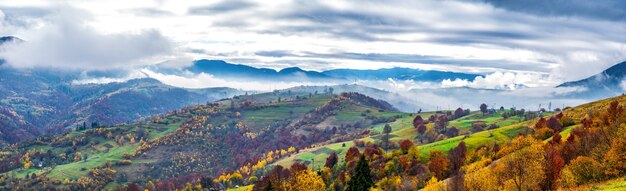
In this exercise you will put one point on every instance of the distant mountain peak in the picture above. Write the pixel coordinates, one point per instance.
(618, 70)
(611, 77)
(291, 70)
(6, 39)
(607, 82)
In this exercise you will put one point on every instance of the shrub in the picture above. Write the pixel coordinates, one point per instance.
(584, 170)
(543, 133)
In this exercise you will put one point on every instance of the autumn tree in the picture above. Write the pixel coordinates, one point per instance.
(434, 185)
(27, 162)
(553, 166)
(482, 179)
(615, 159)
(584, 170)
(405, 145)
(457, 157)
(386, 130)
(417, 121)
(77, 156)
(273, 180)
(421, 129)
(304, 180)
(441, 123)
(554, 124)
(483, 108)
(458, 113)
(331, 160)
(541, 123)
(361, 179)
(523, 169)
(352, 154)
(505, 115)
(414, 152)
(438, 164)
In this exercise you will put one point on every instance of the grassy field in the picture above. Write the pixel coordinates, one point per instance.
(617, 184)
(288, 110)
(79, 169)
(99, 154)
(500, 136)
(403, 128)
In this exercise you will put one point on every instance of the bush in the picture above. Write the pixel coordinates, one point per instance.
(584, 170)
(543, 133)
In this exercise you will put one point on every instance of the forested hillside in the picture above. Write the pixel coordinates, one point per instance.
(41, 102)
(198, 141)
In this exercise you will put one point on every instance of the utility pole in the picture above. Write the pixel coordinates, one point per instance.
(549, 106)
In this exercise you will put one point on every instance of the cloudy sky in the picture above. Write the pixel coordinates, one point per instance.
(536, 42)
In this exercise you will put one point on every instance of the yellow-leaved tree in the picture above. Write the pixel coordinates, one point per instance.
(305, 180)
(434, 185)
(414, 152)
(479, 176)
(523, 169)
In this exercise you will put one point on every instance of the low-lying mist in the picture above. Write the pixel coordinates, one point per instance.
(405, 95)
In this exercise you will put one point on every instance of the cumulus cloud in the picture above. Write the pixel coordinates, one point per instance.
(203, 80)
(87, 79)
(66, 41)
(500, 80)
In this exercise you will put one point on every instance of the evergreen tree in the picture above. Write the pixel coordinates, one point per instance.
(361, 179)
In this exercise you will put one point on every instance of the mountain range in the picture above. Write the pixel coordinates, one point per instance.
(227, 70)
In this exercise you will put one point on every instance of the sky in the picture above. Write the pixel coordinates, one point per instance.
(533, 42)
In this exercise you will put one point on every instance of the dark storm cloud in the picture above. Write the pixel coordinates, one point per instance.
(613, 10)
(221, 7)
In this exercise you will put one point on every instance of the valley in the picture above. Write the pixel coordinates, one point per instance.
(316, 95)
(247, 136)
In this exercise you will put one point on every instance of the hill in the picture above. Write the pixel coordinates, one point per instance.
(588, 133)
(202, 139)
(606, 83)
(402, 129)
(507, 129)
(241, 140)
(47, 101)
